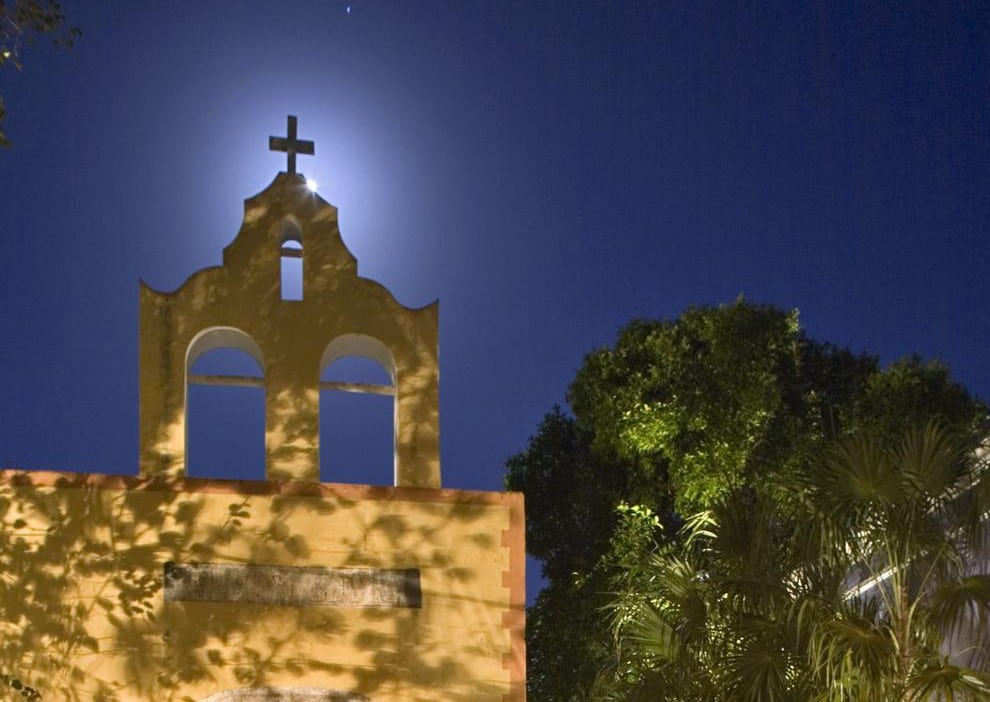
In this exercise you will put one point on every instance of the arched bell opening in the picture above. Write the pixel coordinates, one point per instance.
(224, 405)
(357, 412)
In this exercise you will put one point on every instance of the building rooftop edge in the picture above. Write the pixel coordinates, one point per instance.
(23, 477)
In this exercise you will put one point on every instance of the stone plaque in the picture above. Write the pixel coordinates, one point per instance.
(292, 586)
(285, 694)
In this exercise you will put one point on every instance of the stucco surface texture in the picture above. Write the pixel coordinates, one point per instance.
(241, 305)
(284, 590)
(85, 616)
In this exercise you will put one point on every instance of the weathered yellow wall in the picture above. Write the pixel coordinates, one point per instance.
(84, 610)
(83, 614)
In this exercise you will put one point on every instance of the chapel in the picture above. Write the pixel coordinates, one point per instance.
(163, 586)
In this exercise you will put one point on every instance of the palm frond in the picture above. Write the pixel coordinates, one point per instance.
(756, 674)
(941, 682)
(932, 460)
(854, 652)
(962, 605)
(859, 473)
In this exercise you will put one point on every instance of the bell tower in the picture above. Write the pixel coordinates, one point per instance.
(168, 588)
(241, 304)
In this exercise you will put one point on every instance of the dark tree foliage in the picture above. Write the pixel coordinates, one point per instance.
(677, 416)
(576, 493)
(21, 23)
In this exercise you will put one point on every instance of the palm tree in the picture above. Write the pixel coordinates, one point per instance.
(906, 521)
(710, 616)
(848, 592)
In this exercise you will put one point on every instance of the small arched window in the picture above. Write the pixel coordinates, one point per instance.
(291, 257)
(225, 406)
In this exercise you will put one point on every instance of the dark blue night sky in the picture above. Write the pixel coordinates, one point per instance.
(547, 170)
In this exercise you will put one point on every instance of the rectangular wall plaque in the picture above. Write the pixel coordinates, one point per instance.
(292, 586)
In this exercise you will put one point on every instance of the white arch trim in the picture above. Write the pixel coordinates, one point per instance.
(359, 345)
(223, 338)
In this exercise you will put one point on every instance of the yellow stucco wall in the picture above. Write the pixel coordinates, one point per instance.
(83, 612)
(90, 565)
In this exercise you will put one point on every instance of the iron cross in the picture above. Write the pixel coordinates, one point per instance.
(291, 145)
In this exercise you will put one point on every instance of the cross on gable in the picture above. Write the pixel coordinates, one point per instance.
(291, 145)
